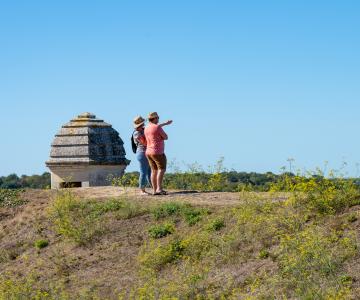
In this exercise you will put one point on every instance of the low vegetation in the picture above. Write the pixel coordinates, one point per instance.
(40, 244)
(308, 239)
(161, 230)
(11, 198)
(191, 215)
(304, 245)
(83, 221)
(216, 224)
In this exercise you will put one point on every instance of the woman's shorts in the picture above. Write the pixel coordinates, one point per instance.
(157, 161)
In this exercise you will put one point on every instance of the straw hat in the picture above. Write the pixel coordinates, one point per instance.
(153, 115)
(139, 121)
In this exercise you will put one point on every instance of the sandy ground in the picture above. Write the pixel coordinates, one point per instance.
(193, 197)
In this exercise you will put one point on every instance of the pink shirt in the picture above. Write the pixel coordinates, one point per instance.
(154, 138)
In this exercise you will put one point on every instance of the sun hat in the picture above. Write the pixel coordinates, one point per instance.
(139, 121)
(153, 115)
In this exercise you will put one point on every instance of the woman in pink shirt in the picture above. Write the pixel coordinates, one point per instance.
(155, 151)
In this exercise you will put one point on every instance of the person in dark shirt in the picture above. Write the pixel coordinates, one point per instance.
(140, 141)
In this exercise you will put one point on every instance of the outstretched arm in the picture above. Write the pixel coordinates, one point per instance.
(166, 123)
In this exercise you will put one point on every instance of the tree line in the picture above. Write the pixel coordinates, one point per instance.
(13, 181)
(228, 181)
(186, 180)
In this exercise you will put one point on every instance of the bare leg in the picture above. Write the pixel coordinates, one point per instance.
(160, 177)
(154, 178)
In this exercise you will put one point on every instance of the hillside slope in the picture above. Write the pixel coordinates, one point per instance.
(108, 243)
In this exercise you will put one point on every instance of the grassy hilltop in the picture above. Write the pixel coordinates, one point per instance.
(298, 241)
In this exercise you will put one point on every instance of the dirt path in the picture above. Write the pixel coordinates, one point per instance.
(187, 196)
(193, 197)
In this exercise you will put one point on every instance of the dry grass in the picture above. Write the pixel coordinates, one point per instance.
(242, 245)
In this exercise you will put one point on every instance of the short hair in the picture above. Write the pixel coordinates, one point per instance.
(152, 119)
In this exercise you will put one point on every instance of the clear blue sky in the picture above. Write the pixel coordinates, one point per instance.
(253, 81)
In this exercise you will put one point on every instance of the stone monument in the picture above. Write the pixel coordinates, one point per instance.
(86, 152)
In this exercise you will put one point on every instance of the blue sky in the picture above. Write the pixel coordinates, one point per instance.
(254, 81)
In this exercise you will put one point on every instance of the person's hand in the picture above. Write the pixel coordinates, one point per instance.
(168, 122)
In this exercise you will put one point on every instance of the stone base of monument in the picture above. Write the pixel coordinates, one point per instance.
(84, 176)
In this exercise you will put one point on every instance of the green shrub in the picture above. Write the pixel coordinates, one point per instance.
(11, 198)
(155, 256)
(83, 220)
(192, 215)
(202, 245)
(111, 205)
(167, 209)
(75, 219)
(216, 224)
(161, 230)
(318, 193)
(40, 244)
(264, 253)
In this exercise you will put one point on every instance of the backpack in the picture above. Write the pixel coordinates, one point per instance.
(133, 144)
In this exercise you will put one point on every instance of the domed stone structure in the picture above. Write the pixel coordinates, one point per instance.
(86, 152)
